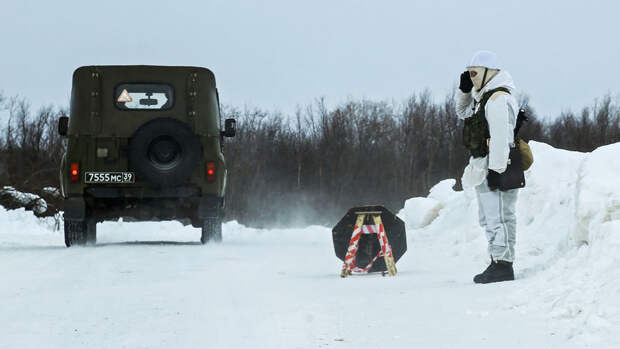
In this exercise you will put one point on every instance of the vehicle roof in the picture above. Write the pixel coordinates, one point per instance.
(94, 112)
(136, 71)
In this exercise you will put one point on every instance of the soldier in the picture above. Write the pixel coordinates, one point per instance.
(485, 101)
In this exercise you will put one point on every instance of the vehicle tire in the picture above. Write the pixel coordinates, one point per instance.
(75, 232)
(164, 151)
(211, 231)
(91, 231)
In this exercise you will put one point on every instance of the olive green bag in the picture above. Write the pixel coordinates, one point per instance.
(527, 158)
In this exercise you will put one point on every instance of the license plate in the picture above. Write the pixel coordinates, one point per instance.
(109, 177)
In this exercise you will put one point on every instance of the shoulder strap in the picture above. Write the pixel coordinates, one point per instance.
(488, 94)
(521, 118)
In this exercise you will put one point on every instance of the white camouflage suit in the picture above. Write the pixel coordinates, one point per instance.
(496, 209)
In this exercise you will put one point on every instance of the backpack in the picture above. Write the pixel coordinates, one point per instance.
(527, 158)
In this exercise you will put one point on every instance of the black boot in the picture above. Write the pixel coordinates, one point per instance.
(497, 271)
(485, 272)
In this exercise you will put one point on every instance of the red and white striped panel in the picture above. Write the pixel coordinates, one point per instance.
(383, 241)
(367, 229)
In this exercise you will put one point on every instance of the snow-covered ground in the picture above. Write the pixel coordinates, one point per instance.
(151, 285)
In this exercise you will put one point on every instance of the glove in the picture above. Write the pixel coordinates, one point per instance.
(466, 84)
(493, 179)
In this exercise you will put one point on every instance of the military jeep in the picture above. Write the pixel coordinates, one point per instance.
(145, 143)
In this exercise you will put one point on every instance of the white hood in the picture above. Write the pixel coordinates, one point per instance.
(485, 59)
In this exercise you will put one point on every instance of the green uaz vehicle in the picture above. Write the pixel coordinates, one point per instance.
(145, 143)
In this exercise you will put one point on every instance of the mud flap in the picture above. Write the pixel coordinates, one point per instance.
(74, 209)
(209, 207)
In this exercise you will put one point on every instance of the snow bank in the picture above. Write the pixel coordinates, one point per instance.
(568, 239)
(13, 198)
(598, 194)
(582, 286)
(421, 211)
(16, 223)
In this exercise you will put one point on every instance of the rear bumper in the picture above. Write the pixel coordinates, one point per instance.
(139, 204)
(142, 192)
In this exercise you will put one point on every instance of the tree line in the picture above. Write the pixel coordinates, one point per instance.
(310, 167)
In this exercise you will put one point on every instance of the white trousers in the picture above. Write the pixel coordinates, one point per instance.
(497, 215)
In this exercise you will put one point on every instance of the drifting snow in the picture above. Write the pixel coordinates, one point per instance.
(151, 285)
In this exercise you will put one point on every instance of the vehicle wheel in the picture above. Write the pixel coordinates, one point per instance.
(75, 232)
(91, 232)
(211, 231)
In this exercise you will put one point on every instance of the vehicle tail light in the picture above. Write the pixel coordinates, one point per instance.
(74, 174)
(210, 171)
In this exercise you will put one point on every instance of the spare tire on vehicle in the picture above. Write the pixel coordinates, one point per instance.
(164, 152)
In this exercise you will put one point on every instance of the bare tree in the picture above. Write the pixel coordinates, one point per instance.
(309, 169)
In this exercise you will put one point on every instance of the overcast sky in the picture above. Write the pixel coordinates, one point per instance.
(280, 54)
